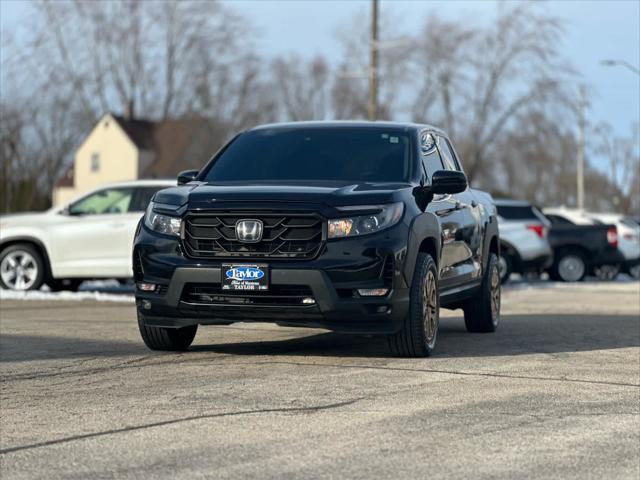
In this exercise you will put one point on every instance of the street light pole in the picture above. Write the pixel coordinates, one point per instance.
(581, 141)
(373, 67)
(623, 63)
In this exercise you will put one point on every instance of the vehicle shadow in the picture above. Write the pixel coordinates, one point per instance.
(517, 335)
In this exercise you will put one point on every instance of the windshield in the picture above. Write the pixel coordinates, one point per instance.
(308, 154)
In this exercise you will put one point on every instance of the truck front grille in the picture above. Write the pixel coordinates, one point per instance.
(285, 235)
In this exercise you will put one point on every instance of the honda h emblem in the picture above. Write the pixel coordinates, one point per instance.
(249, 231)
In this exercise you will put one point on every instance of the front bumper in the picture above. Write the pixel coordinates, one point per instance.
(348, 315)
(342, 267)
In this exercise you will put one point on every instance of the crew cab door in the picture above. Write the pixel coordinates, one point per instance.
(463, 233)
(94, 241)
(459, 220)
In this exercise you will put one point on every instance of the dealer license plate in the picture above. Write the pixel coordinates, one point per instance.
(245, 277)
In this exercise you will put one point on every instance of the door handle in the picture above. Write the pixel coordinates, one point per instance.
(459, 206)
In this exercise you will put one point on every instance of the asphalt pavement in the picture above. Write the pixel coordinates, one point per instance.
(555, 393)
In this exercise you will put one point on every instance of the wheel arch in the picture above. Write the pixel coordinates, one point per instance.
(38, 245)
(573, 248)
(491, 241)
(424, 236)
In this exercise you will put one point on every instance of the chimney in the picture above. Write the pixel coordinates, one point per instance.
(129, 110)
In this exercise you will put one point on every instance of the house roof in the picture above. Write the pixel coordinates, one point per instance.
(178, 144)
(139, 131)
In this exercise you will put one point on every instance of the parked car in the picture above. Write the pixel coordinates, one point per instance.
(355, 227)
(89, 238)
(579, 245)
(628, 244)
(524, 246)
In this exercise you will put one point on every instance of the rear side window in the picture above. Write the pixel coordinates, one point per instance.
(519, 212)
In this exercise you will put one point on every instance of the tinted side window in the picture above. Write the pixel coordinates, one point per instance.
(448, 157)
(142, 198)
(429, 154)
(517, 212)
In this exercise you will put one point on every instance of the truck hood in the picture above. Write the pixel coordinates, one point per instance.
(207, 195)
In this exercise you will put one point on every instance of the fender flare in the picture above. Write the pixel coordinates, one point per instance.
(423, 227)
(490, 232)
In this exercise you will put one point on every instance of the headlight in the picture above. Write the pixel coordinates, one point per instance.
(384, 216)
(160, 223)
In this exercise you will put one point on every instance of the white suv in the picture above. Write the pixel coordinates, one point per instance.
(90, 238)
(524, 246)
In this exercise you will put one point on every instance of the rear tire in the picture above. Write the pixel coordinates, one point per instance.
(167, 339)
(482, 313)
(21, 268)
(417, 337)
(568, 266)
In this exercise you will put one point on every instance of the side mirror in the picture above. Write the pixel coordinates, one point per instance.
(448, 181)
(187, 176)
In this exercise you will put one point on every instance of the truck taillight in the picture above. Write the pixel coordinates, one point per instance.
(539, 230)
(612, 236)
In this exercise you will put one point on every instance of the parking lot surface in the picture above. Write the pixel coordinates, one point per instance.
(554, 393)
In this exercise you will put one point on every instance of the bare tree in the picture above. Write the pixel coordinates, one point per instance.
(302, 87)
(475, 81)
(623, 164)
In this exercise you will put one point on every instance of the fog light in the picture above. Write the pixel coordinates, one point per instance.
(373, 292)
(383, 309)
(308, 301)
(146, 304)
(146, 287)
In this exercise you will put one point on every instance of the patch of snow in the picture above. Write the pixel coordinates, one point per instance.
(65, 296)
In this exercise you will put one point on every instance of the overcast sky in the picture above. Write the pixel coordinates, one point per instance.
(595, 30)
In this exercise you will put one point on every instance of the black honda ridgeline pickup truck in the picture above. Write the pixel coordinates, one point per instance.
(356, 227)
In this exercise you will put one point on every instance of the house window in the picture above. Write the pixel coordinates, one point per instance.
(95, 162)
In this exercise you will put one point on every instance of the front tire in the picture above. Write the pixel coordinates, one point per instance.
(68, 284)
(482, 313)
(167, 339)
(21, 268)
(417, 336)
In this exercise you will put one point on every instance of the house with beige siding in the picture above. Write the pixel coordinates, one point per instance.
(122, 148)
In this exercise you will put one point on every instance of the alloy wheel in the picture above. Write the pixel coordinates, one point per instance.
(496, 293)
(19, 270)
(571, 268)
(430, 312)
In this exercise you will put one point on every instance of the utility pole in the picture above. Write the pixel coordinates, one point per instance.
(373, 67)
(581, 140)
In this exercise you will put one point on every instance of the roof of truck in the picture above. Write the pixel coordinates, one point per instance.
(349, 124)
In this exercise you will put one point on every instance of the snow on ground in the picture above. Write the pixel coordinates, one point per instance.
(65, 296)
